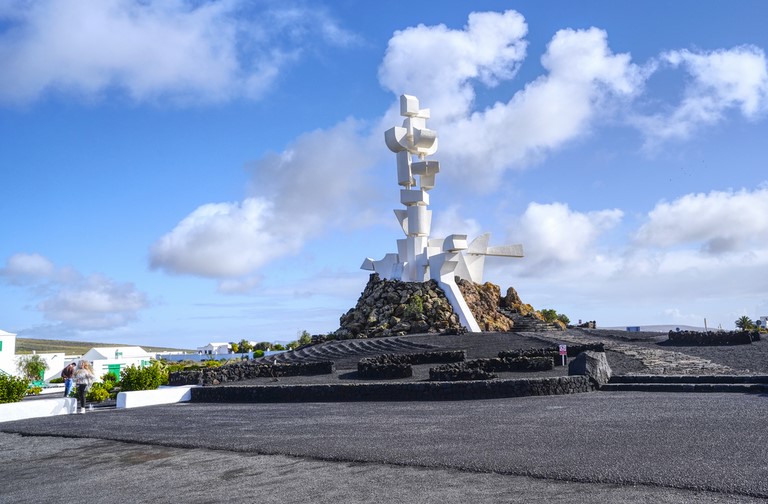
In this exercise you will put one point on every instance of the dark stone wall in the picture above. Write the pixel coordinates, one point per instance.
(410, 391)
(483, 369)
(389, 366)
(694, 338)
(552, 352)
(248, 370)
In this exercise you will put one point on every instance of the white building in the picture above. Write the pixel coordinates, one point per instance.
(215, 349)
(114, 359)
(7, 352)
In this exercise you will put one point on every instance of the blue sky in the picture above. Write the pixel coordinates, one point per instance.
(179, 172)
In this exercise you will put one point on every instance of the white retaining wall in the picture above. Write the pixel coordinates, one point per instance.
(163, 395)
(37, 408)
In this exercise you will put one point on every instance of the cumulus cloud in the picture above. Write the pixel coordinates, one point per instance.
(186, 51)
(442, 64)
(720, 80)
(96, 302)
(719, 221)
(71, 300)
(445, 65)
(314, 185)
(553, 234)
(26, 268)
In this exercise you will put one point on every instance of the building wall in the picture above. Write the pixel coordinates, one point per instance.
(7, 352)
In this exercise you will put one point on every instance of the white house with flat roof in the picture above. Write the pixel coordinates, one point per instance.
(215, 349)
(114, 359)
(7, 352)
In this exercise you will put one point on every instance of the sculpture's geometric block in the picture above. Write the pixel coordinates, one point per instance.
(395, 138)
(427, 182)
(454, 243)
(410, 197)
(387, 266)
(402, 218)
(505, 251)
(404, 176)
(475, 264)
(402, 248)
(480, 244)
(424, 139)
(367, 264)
(425, 167)
(409, 105)
(419, 220)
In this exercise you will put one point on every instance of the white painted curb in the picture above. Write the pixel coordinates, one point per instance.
(163, 395)
(37, 408)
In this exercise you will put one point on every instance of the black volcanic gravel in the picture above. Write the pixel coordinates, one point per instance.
(753, 357)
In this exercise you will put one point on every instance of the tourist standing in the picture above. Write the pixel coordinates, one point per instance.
(67, 374)
(84, 378)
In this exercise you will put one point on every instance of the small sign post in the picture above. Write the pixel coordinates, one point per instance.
(563, 353)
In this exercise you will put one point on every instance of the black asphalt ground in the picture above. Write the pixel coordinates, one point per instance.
(595, 447)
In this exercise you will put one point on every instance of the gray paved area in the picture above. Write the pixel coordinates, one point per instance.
(597, 447)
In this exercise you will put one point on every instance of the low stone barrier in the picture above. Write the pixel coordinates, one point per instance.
(248, 370)
(552, 352)
(391, 366)
(483, 369)
(409, 391)
(713, 338)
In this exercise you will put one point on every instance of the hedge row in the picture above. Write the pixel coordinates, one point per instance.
(248, 370)
(391, 366)
(695, 338)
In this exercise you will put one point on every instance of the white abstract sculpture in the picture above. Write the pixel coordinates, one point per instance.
(420, 258)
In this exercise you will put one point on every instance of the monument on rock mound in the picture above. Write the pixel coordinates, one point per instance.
(419, 257)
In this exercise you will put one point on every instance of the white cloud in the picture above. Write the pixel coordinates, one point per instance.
(719, 80)
(719, 221)
(553, 234)
(552, 110)
(94, 303)
(187, 51)
(313, 186)
(25, 268)
(71, 300)
(440, 64)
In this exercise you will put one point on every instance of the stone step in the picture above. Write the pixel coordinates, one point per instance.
(707, 379)
(742, 388)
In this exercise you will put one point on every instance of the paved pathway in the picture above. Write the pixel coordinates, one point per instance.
(598, 447)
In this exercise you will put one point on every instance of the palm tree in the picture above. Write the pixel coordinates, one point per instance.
(745, 323)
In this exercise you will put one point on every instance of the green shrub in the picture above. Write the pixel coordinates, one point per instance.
(12, 389)
(34, 390)
(258, 353)
(56, 380)
(32, 366)
(414, 307)
(148, 378)
(97, 393)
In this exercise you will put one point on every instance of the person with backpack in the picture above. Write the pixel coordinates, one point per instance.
(67, 373)
(84, 378)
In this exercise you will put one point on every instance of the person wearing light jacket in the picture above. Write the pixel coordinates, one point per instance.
(84, 378)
